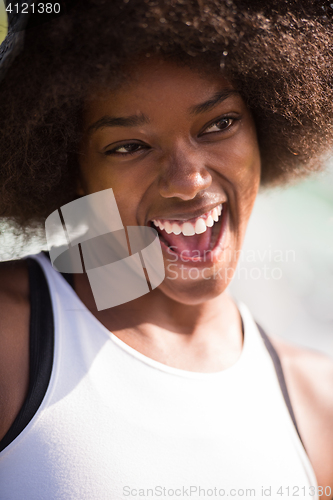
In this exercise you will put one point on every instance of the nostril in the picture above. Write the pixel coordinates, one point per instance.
(183, 174)
(184, 185)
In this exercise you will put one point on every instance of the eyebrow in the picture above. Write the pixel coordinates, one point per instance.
(118, 121)
(213, 101)
(135, 120)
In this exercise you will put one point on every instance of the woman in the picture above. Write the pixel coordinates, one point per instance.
(183, 109)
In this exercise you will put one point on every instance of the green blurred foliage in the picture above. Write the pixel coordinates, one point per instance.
(3, 21)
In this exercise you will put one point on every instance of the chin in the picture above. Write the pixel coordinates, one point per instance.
(191, 291)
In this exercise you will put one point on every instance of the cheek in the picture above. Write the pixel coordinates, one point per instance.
(246, 182)
(97, 175)
(240, 166)
(238, 163)
(247, 175)
(244, 158)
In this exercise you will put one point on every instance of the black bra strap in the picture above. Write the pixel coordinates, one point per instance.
(279, 372)
(69, 277)
(41, 348)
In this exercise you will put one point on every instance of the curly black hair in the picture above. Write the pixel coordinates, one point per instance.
(278, 54)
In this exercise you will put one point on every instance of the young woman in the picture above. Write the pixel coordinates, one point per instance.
(183, 109)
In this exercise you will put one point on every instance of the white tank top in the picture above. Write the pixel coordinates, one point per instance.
(115, 424)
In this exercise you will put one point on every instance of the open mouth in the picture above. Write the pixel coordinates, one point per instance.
(194, 239)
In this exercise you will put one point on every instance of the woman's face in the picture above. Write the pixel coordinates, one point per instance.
(176, 146)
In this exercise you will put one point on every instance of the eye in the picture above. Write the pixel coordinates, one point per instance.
(220, 125)
(126, 149)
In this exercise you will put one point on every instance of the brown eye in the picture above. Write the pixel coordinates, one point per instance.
(219, 125)
(125, 149)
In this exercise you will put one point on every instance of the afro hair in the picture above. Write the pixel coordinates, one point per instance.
(279, 56)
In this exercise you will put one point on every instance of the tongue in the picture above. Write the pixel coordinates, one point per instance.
(198, 242)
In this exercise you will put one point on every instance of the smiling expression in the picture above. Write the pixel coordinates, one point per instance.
(179, 149)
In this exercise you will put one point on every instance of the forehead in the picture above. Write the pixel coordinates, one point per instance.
(152, 84)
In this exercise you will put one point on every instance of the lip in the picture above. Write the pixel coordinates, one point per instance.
(211, 256)
(187, 216)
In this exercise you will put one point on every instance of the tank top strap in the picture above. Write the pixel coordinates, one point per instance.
(41, 346)
(42, 351)
(280, 376)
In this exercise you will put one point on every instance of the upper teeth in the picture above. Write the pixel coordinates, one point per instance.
(188, 228)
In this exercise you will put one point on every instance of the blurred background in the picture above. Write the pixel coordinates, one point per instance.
(285, 272)
(3, 21)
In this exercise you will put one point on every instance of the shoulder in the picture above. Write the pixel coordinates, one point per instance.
(311, 370)
(309, 378)
(14, 290)
(14, 277)
(14, 339)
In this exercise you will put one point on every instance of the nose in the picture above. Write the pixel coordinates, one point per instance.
(183, 175)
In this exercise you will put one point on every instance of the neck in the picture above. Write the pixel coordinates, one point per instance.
(202, 337)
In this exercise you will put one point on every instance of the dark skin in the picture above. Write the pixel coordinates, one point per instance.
(181, 163)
